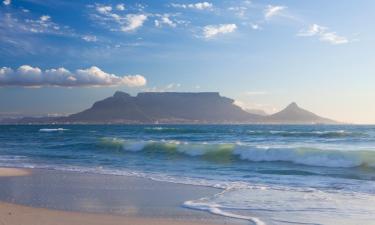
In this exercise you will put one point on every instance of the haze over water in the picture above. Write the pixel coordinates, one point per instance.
(269, 174)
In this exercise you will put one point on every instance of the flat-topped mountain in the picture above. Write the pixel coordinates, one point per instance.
(165, 107)
(178, 107)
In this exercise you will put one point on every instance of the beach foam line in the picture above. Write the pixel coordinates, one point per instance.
(216, 210)
(13, 172)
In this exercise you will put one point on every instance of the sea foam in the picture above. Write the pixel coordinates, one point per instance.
(52, 129)
(236, 151)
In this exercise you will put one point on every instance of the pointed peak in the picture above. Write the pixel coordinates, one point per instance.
(292, 105)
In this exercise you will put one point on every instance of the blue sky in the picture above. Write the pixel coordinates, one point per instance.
(61, 56)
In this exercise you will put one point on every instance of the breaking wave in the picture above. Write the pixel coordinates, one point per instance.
(52, 129)
(232, 152)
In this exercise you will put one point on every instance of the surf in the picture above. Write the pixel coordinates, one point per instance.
(52, 129)
(226, 152)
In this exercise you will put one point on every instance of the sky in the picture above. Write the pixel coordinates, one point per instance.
(58, 57)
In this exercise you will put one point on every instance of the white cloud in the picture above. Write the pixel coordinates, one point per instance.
(104, 9)
(272, 11)
(333, 38)
(198, 6)
(164, 20)
(28, 76)
(120, 7)
(324, 35)
(240, 104)
(7, 2)
(90, 38)
(312, 30)
(134, 81)
(201, 5)
(211, 31)
(45, 18)
(43, 24)
(117, 21)
(20, 28)
(133, 22)
(255, 26)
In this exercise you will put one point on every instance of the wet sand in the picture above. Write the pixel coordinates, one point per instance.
(13, 172)
(11, 214)
(53, 197)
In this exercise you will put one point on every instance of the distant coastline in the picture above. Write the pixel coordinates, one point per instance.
(174, 108)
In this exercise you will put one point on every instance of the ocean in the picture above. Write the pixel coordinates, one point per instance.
(268, 174)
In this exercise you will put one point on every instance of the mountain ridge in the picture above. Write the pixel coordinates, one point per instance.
(177, 108)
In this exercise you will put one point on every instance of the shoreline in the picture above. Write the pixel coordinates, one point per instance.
(13, 214)
(42, 196)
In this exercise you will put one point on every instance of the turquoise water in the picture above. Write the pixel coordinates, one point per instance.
(268, 174)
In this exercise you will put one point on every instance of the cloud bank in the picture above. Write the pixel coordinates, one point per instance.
(28, 76)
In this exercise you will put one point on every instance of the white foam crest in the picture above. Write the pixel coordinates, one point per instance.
(161, 128)
(135, 146)
(293, 154)
(52, 129)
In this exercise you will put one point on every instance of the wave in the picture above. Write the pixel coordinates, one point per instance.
(231, 152)
(310, 156)
(282, 133)
(176, 130)
(161, 128)
(52, 129)
(318, 134)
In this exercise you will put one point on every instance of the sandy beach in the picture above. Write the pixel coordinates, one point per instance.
(11, 214)
(13, 172)
(37, 197)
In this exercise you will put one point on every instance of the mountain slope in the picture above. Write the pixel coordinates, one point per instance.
(293, 114)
